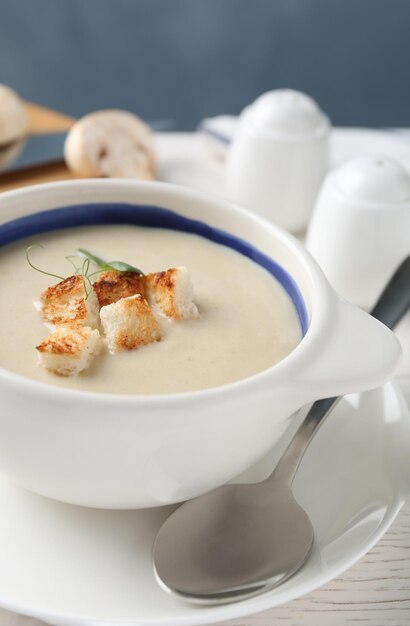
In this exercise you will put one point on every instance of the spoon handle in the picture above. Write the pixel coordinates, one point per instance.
(391, 306)
(395, 299)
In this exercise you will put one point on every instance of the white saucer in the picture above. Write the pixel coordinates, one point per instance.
(70, 565)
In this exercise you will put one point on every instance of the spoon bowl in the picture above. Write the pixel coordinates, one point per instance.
(238, 541)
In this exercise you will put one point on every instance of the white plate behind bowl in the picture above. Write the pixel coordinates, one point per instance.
(184, 158)
(69, 565)
(347, 143)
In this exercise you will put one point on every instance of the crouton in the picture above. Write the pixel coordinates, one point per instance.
(111, 286)
(69, 350)
(67, 303)
(171, 292)
(129, 323)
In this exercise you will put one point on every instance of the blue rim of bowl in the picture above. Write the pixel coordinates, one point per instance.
(153, 217)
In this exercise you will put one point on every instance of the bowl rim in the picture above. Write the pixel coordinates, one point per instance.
(317, 318)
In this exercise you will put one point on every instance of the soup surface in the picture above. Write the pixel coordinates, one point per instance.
(247, 320)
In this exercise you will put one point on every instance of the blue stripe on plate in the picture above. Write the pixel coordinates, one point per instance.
(215, 134)
(154, 217)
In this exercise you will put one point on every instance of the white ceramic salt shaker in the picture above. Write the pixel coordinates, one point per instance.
(360, 232)
(279, 157)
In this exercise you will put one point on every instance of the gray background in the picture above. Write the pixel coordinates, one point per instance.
(186, 59)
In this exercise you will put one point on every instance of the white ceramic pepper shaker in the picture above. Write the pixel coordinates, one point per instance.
(279, 157)
(360, 228)
(360, 232)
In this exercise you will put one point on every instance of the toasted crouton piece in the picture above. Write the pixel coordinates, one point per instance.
(67, 303)
(172, 292)
(129, 323)
(69, 350)
(111, 286)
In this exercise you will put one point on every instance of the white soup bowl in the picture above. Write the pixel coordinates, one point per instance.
(132, 451)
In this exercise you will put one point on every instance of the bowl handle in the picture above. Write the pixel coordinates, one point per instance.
(353, 352)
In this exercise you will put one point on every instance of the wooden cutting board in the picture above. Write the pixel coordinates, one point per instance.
(41, 120)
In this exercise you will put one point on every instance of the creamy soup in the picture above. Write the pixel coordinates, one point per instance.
(247, 320)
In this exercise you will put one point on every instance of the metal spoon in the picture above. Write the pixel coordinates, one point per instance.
(240, 540)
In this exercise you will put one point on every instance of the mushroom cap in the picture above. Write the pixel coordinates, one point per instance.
(111, 143)
(13, 116)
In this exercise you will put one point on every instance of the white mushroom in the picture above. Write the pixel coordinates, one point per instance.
(13, 116)
(111, 143)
